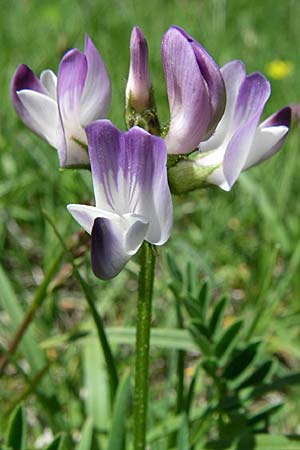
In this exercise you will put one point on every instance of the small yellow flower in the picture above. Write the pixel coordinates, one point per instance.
(279, 69)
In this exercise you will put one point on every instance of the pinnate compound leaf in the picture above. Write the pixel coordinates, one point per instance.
(16, 433)
(210, 365)
(203, 299)
(217, 315)
(201, 328)
(278, 384)
(173, 268)
(190, 279)
(240, 361)
(258, 375)
(191, 389)
(202, 341)
(264, 414)
(226, 340)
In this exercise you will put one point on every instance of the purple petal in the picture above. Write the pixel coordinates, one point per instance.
(212, 75)
(129, 175)
(96, 94)
(269, 137)
(71, 78)
(109, 245)
(253, 94)
(188, 94)
(24, 78)
(282, 117)
(215, 83)
(138, 84)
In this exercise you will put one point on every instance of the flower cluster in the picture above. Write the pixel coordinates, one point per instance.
(212, 136)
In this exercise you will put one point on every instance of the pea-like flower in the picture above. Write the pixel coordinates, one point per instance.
(239, 141)
(58, 108)
(132, 196)
(195, 88)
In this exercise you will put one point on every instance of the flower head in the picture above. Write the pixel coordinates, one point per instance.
(58, 108)
(138, 88)
(132, 197)
(195, 88)
(239, 141)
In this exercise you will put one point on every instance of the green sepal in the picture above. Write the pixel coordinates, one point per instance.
(186, 176)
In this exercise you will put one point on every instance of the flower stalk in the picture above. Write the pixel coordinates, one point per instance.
(144, 307)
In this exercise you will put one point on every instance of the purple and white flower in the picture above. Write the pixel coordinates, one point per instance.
(132, 196)
(195, 88)
(239, 141)
(138, 88)
(58, 108)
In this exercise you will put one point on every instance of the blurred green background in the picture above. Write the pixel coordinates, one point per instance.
(245, 241)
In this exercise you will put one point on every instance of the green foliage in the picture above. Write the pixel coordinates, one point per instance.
(237, 367)
(56, 444)
(116, 439)
(16, 433)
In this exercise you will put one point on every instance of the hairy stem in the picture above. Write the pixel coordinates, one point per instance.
(146, 279)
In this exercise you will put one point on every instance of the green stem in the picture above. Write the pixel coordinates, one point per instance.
(146, 279)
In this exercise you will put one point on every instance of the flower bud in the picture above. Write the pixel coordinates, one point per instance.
(138, 89)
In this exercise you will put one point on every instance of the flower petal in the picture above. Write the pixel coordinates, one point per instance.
(49, 81)
(215, 83)
(269, 137)
(147, 156)
(43, 115)
(129, 175)
(24, 78)
(114, 241)
(252, 96)
(233, 74)
(85, 215)
(96, 94)
(188, 94)
(71, 78)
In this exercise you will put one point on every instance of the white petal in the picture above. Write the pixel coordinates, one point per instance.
(43, 112)
(49, 81)
(265, 144)
(96, 94)
(233, 74)
(86, 215)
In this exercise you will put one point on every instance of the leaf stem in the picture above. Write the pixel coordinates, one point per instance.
(144, 307)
